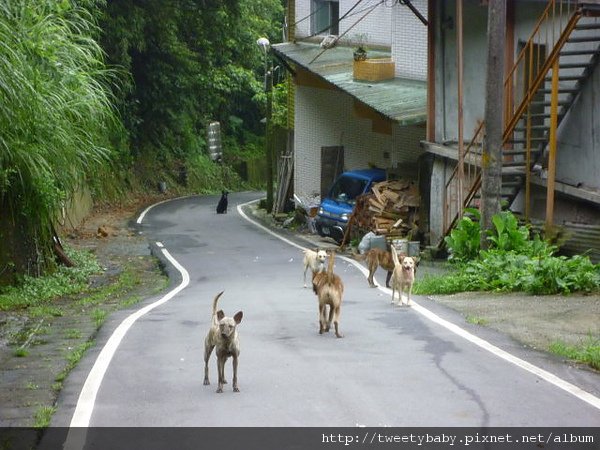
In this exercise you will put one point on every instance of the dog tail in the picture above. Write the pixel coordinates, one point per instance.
(215, 301)
(395, 256)
(330, 267)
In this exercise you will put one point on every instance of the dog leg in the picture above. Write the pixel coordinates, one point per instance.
(235, 368)
(331, 317)
(305, 269)
(408, 301)
(336, 321)
(207, 352)
(388, 278)
(322, 319)
(370, 279)
(221, 373)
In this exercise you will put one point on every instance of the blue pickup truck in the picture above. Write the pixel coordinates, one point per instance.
(336, 207)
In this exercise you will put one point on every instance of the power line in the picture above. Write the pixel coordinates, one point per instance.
(338, 21)
(349, 28)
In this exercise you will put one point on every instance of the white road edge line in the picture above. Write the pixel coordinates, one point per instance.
(482, 343)
(87, 397)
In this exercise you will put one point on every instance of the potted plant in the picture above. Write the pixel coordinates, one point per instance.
(360, 52)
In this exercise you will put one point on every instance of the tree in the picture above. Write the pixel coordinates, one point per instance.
(190, 62)
(55, 111)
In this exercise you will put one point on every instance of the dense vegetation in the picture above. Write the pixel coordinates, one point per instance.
(115, 96)
(517, 260)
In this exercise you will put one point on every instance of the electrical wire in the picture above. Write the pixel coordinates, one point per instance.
(338, 21)
(348, 29)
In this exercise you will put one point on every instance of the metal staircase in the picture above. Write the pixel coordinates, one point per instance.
(566, 39)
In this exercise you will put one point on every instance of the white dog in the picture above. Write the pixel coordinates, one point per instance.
(315, 260)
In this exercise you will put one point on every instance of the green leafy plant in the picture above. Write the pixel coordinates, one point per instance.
(35, 291)
(464, 240)
(507, 234)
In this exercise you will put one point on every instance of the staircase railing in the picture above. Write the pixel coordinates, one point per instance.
(471, 172)
(531, 67)
(525, 78)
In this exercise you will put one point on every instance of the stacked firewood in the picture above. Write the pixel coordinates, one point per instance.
(391, 209)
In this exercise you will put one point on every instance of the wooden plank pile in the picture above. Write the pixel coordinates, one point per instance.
(391, 209)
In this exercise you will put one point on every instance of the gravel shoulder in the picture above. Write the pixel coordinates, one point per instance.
(536, 321)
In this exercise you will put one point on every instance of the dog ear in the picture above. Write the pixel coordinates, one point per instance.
(220, 314)
(238, 317)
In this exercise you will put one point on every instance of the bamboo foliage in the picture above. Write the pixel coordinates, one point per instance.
(55, 110)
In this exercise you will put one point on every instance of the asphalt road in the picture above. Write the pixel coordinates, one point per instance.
(394, 367)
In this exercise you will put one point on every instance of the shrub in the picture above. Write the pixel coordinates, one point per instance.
(463, 242)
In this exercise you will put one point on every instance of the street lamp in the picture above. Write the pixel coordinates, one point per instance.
(264, 43)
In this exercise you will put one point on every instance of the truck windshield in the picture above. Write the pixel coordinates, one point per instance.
(346, 189)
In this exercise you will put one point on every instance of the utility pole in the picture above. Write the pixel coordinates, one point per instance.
(491, 158)
(265, 44)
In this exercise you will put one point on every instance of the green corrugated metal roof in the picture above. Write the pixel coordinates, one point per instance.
(400, 99)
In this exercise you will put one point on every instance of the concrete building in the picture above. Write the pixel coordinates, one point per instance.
(539, 35)
(348, 118)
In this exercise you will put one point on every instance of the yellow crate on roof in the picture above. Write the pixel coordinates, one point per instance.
(376, 69)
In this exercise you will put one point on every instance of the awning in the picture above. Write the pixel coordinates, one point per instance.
(402, 100)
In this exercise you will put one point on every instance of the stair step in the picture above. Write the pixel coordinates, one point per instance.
(560, 91)
(578, 52)
(519, 152)
(566, 78)
(514, 164)
(573, 66)
(588, 26)
(590, 10)
(545, 115)
(524, 141)
(544, 103)
(584, 39)
(513, 171)
(512, 184)
(534, 127)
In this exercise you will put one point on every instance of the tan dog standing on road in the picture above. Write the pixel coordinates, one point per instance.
(403, 276)
(315, 259)
(329, 289)
(375, 258)
(224, 337)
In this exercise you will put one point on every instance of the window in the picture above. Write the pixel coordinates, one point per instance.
(325, 17)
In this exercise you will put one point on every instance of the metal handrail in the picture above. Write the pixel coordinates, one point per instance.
(525, 66)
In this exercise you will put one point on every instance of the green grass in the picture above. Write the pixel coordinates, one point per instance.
(99, 316)
(440, 285)
(73, 333)
(72, 359)
(38, 292)
(32, 386)
(20, 352)
(587, 352)
(43, 415)
(45, 311)
(477, 320)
